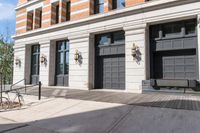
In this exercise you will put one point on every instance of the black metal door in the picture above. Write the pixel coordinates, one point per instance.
(35, 64)
(62, 63)
(110, 61)
(174, 50)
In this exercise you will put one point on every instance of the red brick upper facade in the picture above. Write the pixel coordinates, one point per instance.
(44, 13)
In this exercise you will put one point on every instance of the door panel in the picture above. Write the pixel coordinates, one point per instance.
(110, 73)
(62, 63)
(35, 64)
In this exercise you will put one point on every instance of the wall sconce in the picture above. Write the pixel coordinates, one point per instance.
(134, 51)
(76, 56)
(17, 61)
(43, 59)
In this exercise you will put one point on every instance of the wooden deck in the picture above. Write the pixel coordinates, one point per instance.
(151, 99)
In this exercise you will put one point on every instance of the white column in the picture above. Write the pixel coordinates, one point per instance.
(79, 71)
(18, 70)
(91, 66)
(27, 71)
(198, 36)
(44, 67)
(52, 63)
(135, 70)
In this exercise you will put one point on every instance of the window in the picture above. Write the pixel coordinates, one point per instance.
(35, 59)
(190, 27)
(172, 29)
(38, 18)
(116, 4)
(62, 58)
(68, 5)
(118, 37)
(30, 21)
(98, 6)
(111, 38)
(57, 14)
(104, 39)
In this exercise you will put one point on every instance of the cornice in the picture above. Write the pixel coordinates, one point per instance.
(29, 3)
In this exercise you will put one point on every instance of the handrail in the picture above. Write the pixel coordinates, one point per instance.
(11, 87)
(19, 88)
(17, 83)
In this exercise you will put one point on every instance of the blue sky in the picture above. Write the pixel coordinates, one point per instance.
(7, 17)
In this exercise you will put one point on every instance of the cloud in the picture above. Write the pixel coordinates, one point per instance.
(7, 11)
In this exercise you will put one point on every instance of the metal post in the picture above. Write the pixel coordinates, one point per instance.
(39, 95)
(1, 86)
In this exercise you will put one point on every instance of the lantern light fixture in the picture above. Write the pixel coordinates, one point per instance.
(134, 51)
(43, 59)
(17, 61)
(76, 55)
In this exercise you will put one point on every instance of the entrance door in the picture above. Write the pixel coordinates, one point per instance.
(110, 61)
(35, 64)
(62, 63)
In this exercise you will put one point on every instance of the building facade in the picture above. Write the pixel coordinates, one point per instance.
(106, 44)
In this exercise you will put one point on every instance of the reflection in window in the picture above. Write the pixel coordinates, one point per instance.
(104, 39)
(62, 58)
(118, 4)
(111, 38)
(98, 6)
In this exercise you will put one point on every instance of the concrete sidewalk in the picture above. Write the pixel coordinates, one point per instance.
(59, 115)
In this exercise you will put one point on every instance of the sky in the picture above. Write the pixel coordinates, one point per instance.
(7, 17)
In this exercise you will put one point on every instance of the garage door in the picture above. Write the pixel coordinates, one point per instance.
(176, 65)
(110, 63)
(173, 50)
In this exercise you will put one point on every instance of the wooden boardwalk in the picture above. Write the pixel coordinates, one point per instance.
(151, 99)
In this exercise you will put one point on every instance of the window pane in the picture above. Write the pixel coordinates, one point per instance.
(67, 63)
(68, 10)
(61, 46)
(121, 3)
(67, 45)
(118, 4)
(34, 69)
(104, 39)
(118, 37)
(190, 27)
(172, 28)
(60, 68)
(101, 8)
(34, 59)
(61, 58)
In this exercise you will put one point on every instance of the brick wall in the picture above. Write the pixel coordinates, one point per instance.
(133, 2)
(21, 17)
(79, 9)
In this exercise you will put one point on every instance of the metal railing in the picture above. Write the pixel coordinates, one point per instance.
(17, 89)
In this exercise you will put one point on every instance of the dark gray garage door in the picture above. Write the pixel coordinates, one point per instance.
(175, 65)
(173, 50)
(110, 62)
